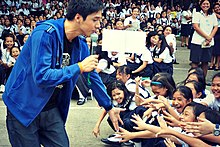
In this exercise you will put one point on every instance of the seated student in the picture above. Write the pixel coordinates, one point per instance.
(15, 52)
(118, 59)
(141, 64)
(200, 112)
(2, 74)
(197, 90)
(6, 60)
(203, 126)
(105, 68)
(162, 85)
(121, 98)
(182, 96)
(123, 74)
(162, 56)
(213, 102)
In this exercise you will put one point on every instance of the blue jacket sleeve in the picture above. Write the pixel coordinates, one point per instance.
(42, 46)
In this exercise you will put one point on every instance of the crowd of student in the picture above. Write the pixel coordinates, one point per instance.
(142, 122)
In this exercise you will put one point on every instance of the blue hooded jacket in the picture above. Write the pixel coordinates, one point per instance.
(38, 71)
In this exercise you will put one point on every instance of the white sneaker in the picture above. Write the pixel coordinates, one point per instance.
(2, 88)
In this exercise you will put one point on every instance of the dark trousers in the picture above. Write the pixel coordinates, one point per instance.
(47, 129)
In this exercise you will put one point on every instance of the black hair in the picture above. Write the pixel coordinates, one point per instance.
(186, 92)
(150, 34)
(213, 116)
(121, 86)
(217, 75)
(198, 87)
(15, 47)
(196, 69)
(197, 108)
(135, 8)
(104, 55)
(164, 28)
(124, 69)
(200, 77)
(163, 46)
(166, 81)
(83, 8)
(210, 11)
(8, 35)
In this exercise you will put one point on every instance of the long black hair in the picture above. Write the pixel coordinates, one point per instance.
(163, 46)
(121, 86)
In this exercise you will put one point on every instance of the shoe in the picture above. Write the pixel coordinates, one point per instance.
(106, 141)
(127, 144)
(90, 95)
(2, 88)
(211, 67)
(216, 69)
(81, 101)
(176, 62)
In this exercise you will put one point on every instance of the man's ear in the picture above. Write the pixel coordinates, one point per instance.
(78, 18)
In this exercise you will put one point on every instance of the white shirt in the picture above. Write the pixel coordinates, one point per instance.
(146, 56)
(103, 66)
(7, 58)
(184, 14)
(206, 24)
(121, 58)
(165, 55)
(135, 23)
(212, 102)
(171, 38)
(131, 86)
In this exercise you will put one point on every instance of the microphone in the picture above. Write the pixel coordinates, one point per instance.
(94, 38)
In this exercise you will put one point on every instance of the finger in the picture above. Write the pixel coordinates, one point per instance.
(169, 123)
(116, 126)
(167, 118)
(166, 113)
(166, 143)
(121, 129)
(121, 109)
(136, 128)
(120, 120)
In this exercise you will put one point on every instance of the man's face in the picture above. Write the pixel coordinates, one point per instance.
(91, 23)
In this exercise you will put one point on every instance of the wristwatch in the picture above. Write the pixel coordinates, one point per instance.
(216, 130)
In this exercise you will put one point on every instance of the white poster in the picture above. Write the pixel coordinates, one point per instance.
(123, 41)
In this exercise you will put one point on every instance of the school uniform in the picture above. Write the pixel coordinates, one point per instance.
(138, 61)
(206, 24)
(185, 24)
(166, 64)
(107, 74)
(212, 102)
(216, 50)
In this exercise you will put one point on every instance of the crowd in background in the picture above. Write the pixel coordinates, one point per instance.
(162, 24)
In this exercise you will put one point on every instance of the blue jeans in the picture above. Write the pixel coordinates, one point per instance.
(47, 129)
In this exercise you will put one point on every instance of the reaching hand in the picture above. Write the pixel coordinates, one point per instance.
(96, 131)
(202, 127)
(141, 125)
(114, 115)
(172, 121)
(125, 135)
(90, 63)
(169, 143)
(163, 125)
